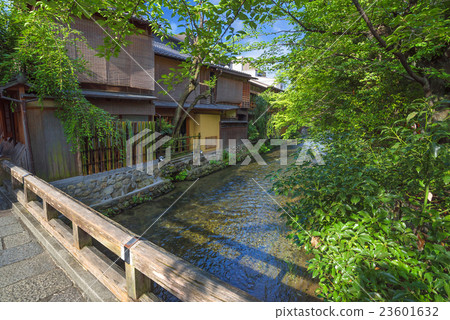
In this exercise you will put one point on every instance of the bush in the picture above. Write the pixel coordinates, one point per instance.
(182, 175)
(375, 216)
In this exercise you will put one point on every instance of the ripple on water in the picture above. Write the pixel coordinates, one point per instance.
(226, 225)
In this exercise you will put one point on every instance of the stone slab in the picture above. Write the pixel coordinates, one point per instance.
(91, 288)
(7, 220)
(10, 229)
(36, 288)
(19, 271)
(17, 239)
(19, 253)
(70, 294)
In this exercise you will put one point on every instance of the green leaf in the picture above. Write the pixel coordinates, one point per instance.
(410, 116)
(446, 178)
(355, 199)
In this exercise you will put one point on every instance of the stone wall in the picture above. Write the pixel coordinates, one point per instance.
(206, 166)
(112, 187)
(113, 191)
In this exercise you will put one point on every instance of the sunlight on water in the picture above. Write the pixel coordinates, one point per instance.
(226, 225)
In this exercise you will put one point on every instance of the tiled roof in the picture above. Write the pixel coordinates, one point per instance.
(166, 51)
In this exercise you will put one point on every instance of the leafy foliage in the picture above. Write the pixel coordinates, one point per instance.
(376, 215)
(181, 176)
(369, 81)
(258, 129)
(37, 47)
(164, 127)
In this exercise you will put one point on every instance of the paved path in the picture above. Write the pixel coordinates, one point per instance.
(27, 272)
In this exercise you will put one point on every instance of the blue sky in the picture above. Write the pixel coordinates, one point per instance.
(277, 26)
(238, 25)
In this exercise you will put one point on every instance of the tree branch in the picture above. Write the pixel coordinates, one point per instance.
(314, 30)
(400, 56)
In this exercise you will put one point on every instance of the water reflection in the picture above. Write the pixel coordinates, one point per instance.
(226, 225)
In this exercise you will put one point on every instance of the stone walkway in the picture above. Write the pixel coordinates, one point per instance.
(27, 272)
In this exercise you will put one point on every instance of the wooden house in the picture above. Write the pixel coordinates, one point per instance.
(126, 87)
(224, 115)
(122, 86)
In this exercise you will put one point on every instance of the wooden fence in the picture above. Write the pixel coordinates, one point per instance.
(145, 262)
(110, 153)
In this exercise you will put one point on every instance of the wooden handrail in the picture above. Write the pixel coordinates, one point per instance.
(148, 262)
(184, 280)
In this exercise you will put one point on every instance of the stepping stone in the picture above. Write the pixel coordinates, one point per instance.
(260, 266)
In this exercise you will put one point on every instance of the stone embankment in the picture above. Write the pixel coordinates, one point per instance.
(113, 191)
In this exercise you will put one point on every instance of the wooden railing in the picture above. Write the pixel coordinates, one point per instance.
(145, 262)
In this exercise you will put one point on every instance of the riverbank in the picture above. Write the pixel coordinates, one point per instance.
(114, 191)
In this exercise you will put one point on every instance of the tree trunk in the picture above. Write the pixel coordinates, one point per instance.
(180, 113)
(177, 128)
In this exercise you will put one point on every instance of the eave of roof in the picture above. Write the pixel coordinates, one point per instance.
(117, 95)
(234, 121)
(14, 83)
(163, 50)
(234, 72)
(172, 104)
(264, 85)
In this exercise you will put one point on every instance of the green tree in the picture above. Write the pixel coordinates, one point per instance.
(369, 78)
(209, 33)
(338, 55)
(257, 127)
(36, 45)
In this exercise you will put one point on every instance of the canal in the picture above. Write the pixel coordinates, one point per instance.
(227, 225)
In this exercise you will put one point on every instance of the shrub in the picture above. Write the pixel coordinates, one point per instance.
(181, 176)
(375, 216)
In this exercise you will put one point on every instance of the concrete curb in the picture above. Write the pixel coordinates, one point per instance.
(86, 282)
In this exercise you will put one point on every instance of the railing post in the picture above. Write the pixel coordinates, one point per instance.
(49, 212)
(14, 183)
(137, 282)
(29, 195)
(81, 238)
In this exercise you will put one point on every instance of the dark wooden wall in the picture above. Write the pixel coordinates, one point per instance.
(237, 132)
(52, 157)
